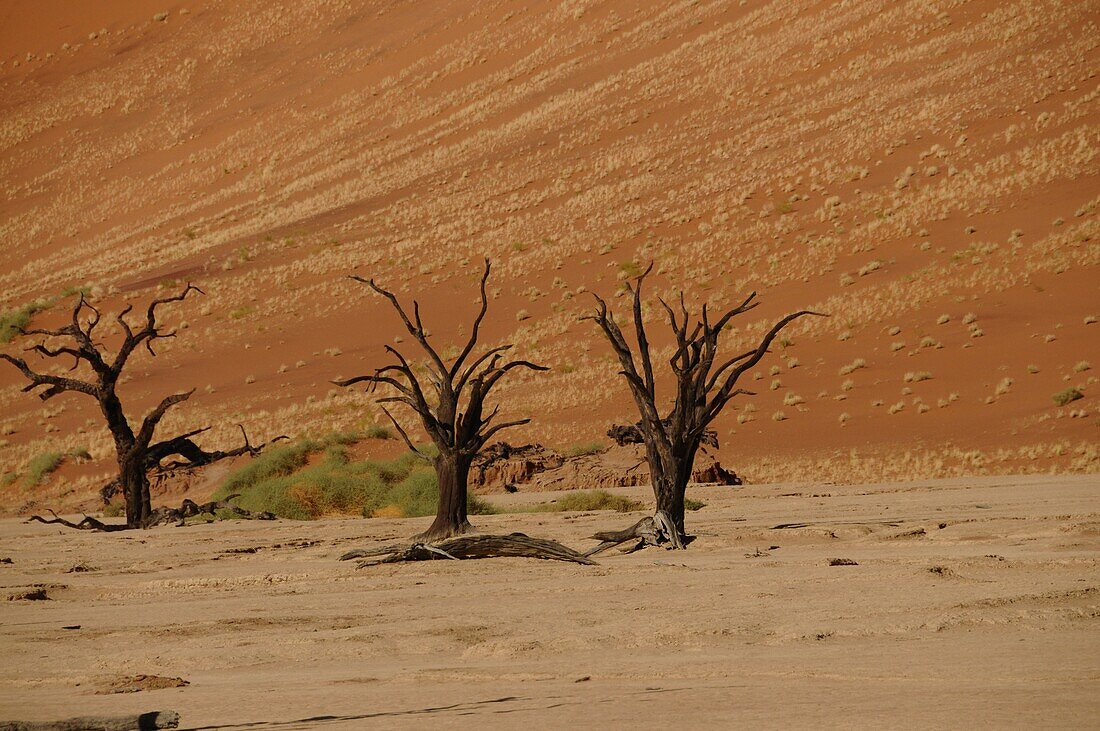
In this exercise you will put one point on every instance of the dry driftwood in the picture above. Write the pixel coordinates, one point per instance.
(469, 547)
(151, 720)
(160, 516)
(655, 530)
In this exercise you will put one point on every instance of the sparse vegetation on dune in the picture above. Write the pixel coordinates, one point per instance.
(583, 448)
(1067, 396)
(591, 500)
(316, 477)
(42, 466)
(12, 320)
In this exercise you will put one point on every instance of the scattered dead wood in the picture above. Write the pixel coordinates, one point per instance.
(469, 547)
(624, 434)
(34, 594)
(140, 722)
(159, 516)
(842, 562)
(86, 523)
(190, 509)
(656, 530)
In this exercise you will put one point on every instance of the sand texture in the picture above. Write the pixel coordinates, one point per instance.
(988, 621)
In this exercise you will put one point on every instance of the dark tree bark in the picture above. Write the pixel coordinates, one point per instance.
(470, 547)
(704, 385)
(450, 401)
(135, 451)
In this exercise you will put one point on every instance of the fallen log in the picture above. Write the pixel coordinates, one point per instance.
(141, 722)
(469, 547)
(160, 516)
(656, 530)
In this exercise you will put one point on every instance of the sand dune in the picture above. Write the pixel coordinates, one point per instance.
(924, 172)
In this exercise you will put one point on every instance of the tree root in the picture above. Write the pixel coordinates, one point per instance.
(655, 530)
(189, 509)
(151, 720)
(469, 547)
(160, 516)
(87, 523)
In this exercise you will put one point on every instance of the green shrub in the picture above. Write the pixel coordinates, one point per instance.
(690, 504)
(591, 500)
(579, 450)
(13, 320)
(1064, 397)
(377, 431)
(282, 482)
(41, 467)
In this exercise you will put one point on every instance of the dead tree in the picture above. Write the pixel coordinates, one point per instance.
(704, 385)
(135, 451)
(450, 401)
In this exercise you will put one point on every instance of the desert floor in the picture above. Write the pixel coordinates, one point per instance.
(989, 620)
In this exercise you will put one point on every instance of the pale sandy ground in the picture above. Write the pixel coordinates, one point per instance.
(289, 638)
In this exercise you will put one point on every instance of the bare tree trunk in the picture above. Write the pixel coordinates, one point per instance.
(670, 478)
(135, 490)
(450, 517)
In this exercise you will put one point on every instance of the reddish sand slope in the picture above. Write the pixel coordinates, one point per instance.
(925, 172)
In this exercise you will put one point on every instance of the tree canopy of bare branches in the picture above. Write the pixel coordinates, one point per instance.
(450, 400)
(704, 382)
(135, 449)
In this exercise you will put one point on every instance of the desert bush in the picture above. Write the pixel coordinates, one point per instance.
(591, 500)
(1067, 396)
(45, 464)
(12, 320)
(693, 505)
(583, 448)
(283, 482)
(855, 365)
(377, 431)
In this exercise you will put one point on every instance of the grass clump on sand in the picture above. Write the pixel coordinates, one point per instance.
(1064, 397)
(13, 320)
(283, 481)
(601, 500)
(590, 500)
(45, 464)
(586, 448)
